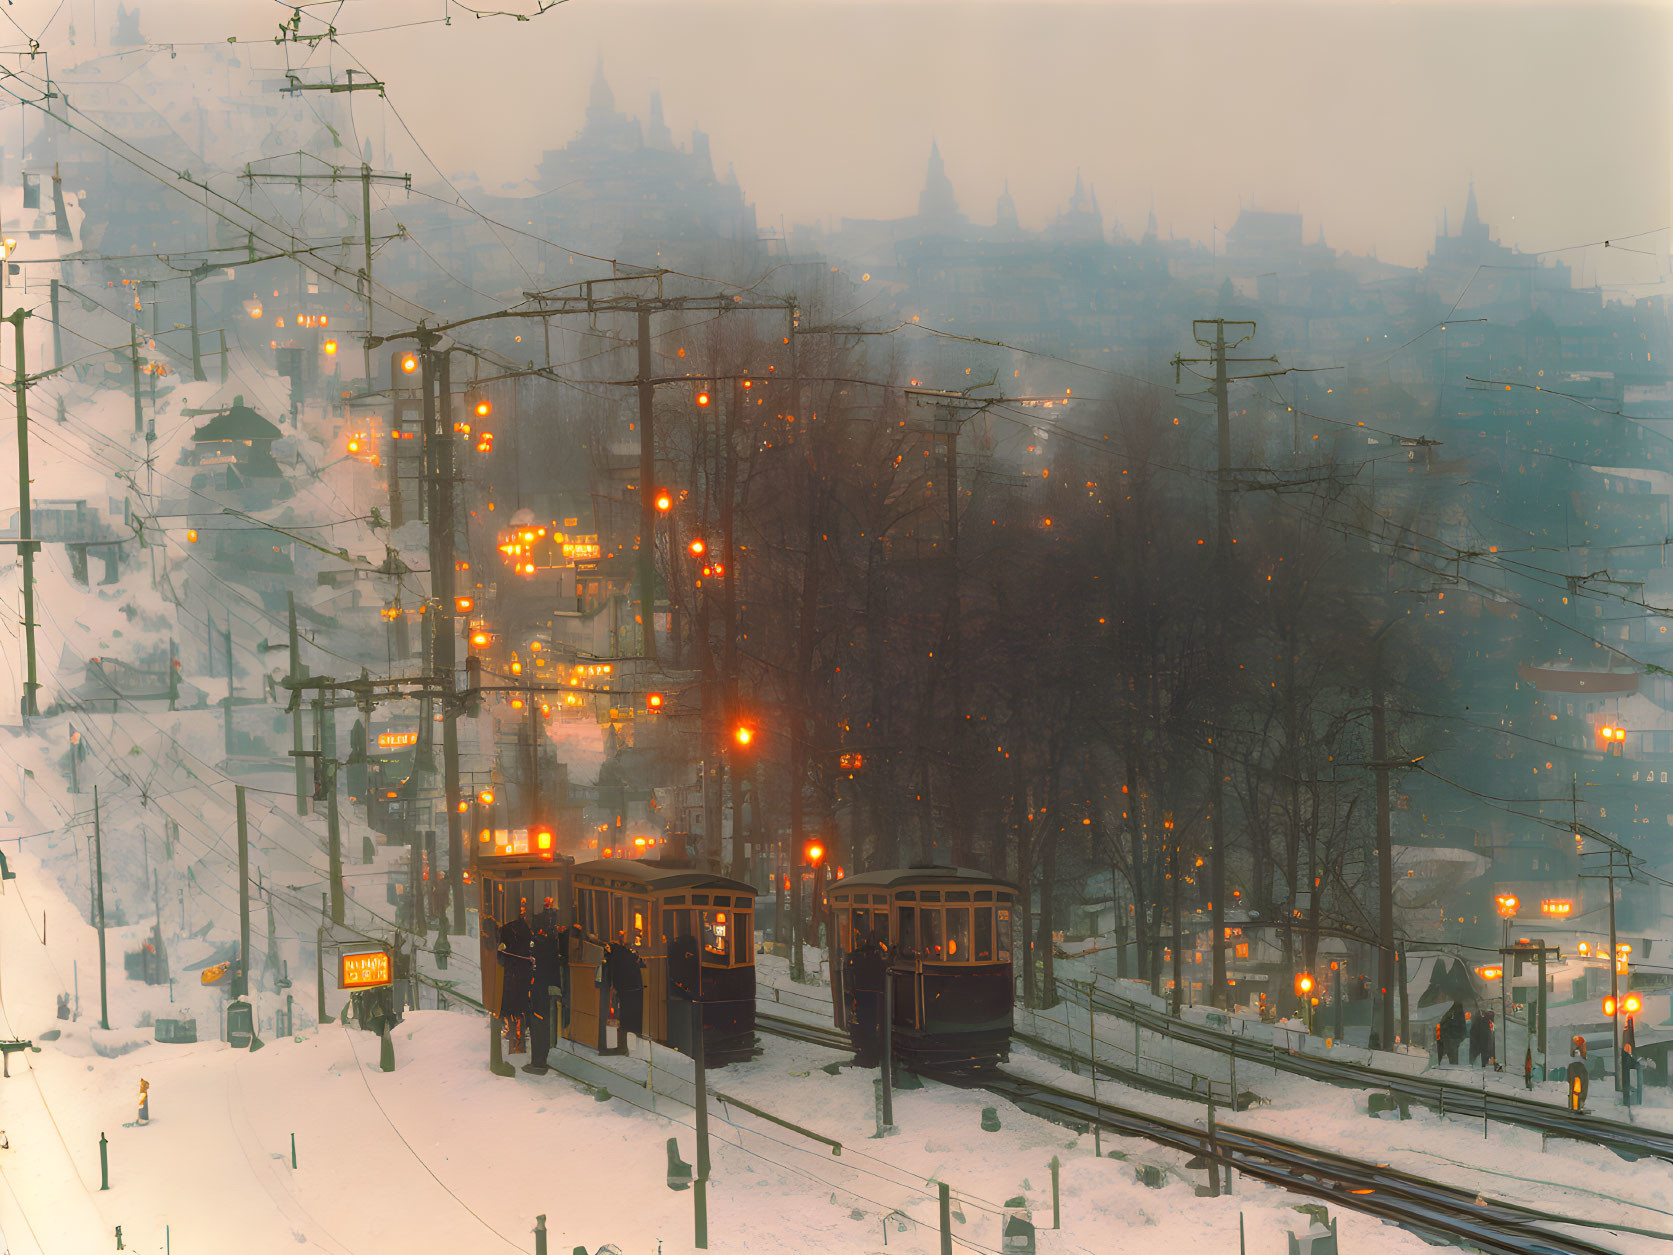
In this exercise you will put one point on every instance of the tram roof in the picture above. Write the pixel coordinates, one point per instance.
(905, 877)
(656, 876)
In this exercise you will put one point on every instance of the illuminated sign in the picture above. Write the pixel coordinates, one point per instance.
(395, 740)
(364, 969)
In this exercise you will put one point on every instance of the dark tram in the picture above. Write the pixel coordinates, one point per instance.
(940, 937)
(652, 949)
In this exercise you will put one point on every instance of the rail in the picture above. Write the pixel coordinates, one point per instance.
(1412, 1202)
(1446, 1097)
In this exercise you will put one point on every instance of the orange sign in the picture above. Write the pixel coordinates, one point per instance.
(364, 969)
(396, 740)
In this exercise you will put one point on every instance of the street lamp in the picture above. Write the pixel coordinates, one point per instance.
(1507, 904)
(1304, 991)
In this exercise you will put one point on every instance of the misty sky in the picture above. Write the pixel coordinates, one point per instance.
(1368, 117)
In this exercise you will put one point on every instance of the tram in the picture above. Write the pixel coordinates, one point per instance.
(933, 944)
(653, 949)
(666, 947)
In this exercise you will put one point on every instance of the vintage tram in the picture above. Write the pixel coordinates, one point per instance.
(653, 947)
(933, 944)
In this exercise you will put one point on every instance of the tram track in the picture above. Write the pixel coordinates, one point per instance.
(1629, 1140)
(1412, 1202)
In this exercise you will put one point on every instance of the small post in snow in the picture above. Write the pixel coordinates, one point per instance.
(104, 1162)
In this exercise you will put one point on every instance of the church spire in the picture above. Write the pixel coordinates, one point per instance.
(1472, 218)
(936, 204)
(601, 101)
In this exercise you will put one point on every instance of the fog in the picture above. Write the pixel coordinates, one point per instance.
(1370, 119)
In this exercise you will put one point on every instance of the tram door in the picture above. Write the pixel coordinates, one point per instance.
(586, 962)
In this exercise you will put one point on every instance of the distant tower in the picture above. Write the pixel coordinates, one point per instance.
(1005, 214)
(1150, 224)
(936, 207)
(657, 134)
(601, 101)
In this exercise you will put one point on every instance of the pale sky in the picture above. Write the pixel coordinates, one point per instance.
(1368, 117)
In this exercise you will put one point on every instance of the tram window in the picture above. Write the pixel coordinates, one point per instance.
(715, 927)
(1004, 955)
(932, 895)
(859, 921)
(678, 922)
(907, 895)
(958, 895)
(601, 914)
(906, 927)
(743, 937)
(637, 917)
(675, 900)
(982, 946)
(984, 895)
(879, 899)
(701, 899)
(616, 926)
(958, 934)
(929, 934)
(845, 942)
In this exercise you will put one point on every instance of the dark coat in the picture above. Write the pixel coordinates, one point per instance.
(516, 955)
(551, 945)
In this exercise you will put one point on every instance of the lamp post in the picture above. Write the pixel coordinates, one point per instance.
(1507, 904)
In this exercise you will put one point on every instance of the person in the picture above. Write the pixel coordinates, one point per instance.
(626, 984)
(63, 1006)
(516, 956)
(144, 1101)
(1453, 1030)
(1481, 1039)
(864, 971)
(549, 945)
(5, 1142)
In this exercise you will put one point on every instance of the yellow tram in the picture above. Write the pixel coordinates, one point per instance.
(651, 947)
(691, 936)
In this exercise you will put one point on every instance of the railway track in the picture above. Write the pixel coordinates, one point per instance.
(1400, 1198)
(1629, 1140)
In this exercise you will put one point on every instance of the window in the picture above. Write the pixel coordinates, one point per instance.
(932, 895)
(906, 930)
(860, 923)
(958, 934)
(982, 941)
(958, 895)
(679, 923)
(743, 937)
(1241, 950)
(1004, 934)
(715, 945)
(636, 914)
(929, 935)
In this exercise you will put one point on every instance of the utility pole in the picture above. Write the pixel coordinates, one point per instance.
(327, 739)
(99, 888)
(192, 278)
(647, 490)
(1221, 384)
(229, 685)
(26, 544)
(1385, 855)
(367, 177)
(133, 365)
(296, 714)
(241, 978)
(438, 439)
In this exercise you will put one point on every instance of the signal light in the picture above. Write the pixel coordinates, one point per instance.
(654, 701)
(743, 735)
(486, 797)
(664, 500)
(483, 408)
(1507, 904)
(463, 605)
(479, 638)
(813, 853)
(409, 363)
(330, 347)
(703, 398)
(697, 547)
(1303, 983)
(1626, 1004)
(191, 535)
